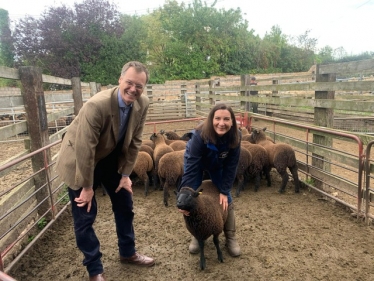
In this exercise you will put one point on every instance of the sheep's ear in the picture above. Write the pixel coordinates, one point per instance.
(162, 131)
(197, 193)
(264, 129)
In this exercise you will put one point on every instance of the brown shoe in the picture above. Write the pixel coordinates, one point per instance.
(99, 277)
(138, 259)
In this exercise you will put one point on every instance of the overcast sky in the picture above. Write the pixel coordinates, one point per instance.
(340, 23)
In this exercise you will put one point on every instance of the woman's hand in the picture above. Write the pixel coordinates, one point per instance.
(184, 212)
(223, 201)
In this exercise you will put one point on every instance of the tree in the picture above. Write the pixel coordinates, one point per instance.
(115, 52)
(6, 42)
(63, 38)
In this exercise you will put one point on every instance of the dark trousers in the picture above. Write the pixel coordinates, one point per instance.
(122, 206)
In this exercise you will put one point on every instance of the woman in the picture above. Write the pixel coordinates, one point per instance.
(214, 149)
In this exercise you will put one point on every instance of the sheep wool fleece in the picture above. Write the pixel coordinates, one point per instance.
(229, 230)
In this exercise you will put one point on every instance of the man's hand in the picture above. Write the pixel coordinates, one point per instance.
(125, 183)
(85, 198)
(223, 201)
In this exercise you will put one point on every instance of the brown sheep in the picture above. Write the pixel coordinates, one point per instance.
(170, 171)
(160, 149)
(259, 165)
(170, 135)
(147, 148)
(206, 216)
(246, 135)
(178, 145)
(149, 143)
(281, 156)
(143, 168)
(245, 160)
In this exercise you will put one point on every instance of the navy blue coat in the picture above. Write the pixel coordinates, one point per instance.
(219, 161)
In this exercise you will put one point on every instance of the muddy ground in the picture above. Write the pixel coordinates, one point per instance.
(286, 237)
(282, 236)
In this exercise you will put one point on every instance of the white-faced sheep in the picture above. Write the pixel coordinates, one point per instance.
(170, 171)
(281, 156)
(143, 168)
(206, 216)
(259, 164)
(160, 149)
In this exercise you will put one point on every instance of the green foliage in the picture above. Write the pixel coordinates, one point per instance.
(42, 223)
(63, 195)
(30, 238)
(310, 181)
(93, 40)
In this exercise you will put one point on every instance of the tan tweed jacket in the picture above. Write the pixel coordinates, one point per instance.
(94, 134)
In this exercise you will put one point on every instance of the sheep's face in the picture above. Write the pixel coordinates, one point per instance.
(257, 135)
(186, 136)
(186, 199)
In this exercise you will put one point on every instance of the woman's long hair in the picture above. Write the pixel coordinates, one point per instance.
(208, 133)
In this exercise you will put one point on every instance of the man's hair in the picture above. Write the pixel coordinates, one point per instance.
(139, 67)
(207, 129)
(253, 78)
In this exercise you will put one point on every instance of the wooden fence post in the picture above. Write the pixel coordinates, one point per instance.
(93, 89)
(77, 94)
(244, 81)
(150, 93)
(212, 85)
(275, 93)
(37, 125)
(198, 98)
(323, 117)
(184, 98)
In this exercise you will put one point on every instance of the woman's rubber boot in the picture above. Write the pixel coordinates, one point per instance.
(229, 230)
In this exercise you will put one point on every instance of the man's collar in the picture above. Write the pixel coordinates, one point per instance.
(121, 103)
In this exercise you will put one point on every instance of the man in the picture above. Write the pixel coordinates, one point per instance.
(100, 147)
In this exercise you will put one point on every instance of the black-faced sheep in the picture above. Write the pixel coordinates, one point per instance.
(160, 149)
(186, 136)
(259, 164)
(206, 216)
(170, 171)
(170, 135)
(281, 156)
(143, 168)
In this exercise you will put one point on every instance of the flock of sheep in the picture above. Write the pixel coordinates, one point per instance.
(161, 161)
